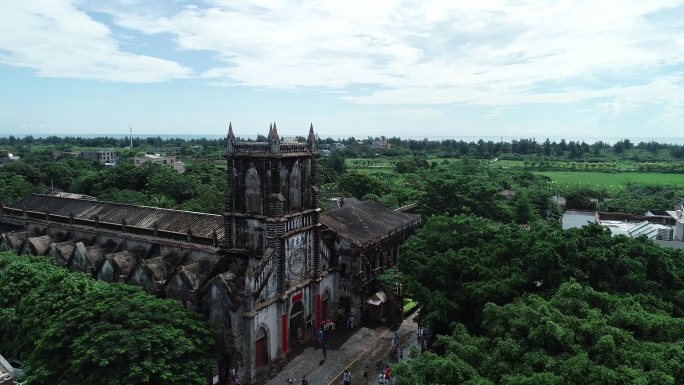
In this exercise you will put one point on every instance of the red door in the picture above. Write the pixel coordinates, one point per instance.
(261, 358)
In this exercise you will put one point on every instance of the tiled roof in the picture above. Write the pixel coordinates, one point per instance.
(200, 224)
(367, 221)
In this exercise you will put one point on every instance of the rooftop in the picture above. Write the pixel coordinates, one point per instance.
(173, 221)
(363, 222)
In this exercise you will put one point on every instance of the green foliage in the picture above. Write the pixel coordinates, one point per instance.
(543, 305)
(467, 187)
(334, 163)
(359, 185)
(70, 329)
(409, 306)
(14, 187)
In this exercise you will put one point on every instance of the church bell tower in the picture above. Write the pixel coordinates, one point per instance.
(271, 204)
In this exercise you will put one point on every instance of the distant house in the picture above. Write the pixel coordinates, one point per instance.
(576, 218)
(381, 144)
(100, 156)
(169, 160)
(666, 231)
(8, 160)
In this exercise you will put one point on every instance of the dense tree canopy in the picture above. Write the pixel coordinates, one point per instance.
(71, 329)
(544, 305)
(464, 187)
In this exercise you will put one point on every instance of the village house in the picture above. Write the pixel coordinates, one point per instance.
(100, 156)
(269, 270)
(169, 160)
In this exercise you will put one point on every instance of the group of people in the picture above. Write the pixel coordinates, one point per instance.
(303, 380)
(328, 324)
(235, 376)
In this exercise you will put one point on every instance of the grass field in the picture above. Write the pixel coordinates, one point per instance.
(619, 179)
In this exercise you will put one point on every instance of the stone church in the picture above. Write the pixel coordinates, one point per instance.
(268, 270)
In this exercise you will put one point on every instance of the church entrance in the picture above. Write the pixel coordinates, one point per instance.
(297, 327)
(325, 305)
(261, 358)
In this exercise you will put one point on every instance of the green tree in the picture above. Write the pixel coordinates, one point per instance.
(71, 329)
(524, 211)
(121, 335)
(465, 188)
(14, 187)
(335, 163)
(357, 185)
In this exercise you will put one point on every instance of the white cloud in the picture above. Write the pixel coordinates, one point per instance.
(493, 53)
(484, 52)
(57, 40)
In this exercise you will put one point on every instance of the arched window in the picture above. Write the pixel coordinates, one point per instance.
(296, 187)
(253, 201)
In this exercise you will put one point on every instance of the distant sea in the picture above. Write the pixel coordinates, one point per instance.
(472, 138)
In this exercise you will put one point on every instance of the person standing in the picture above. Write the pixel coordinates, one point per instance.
(365, 374)
(304, 381)
(346, 377)
(325, 350)
(238, 380)
(387, 373)
(350, 321)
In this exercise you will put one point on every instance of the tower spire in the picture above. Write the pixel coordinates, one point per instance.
(311, 140)
(275, 132)
(274, 140)
(230, 143)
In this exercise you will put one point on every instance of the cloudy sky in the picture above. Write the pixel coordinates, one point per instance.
(454, 68)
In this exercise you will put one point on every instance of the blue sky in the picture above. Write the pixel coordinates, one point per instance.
(578, 70)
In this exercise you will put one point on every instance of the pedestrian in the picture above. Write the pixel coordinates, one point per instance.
(320, 337)
(382, 380)
(350, 321)
(325, 350)
(238, 380)
(395, 342)
(346, 377)
(387, 373)
(231, 372)
(365, 374)
(304, 381)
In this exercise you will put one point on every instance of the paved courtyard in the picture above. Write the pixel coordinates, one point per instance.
(351, 349)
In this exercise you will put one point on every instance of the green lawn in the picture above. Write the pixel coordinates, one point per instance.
(618, 179)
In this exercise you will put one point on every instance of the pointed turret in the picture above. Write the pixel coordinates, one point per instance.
(231, 138)
(274, 139)
(275, 132)
(270, 132)
(311, 140)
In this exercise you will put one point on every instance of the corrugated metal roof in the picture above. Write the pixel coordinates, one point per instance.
(576, 219)
(200, 224)
(366, 221)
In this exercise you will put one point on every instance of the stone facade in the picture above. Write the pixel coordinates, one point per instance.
(268, 270)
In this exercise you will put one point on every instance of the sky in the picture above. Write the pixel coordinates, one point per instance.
(578, 70)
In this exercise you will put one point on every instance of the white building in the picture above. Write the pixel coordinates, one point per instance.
(156, 158)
